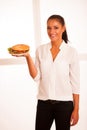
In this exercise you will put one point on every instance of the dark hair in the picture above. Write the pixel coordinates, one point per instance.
(61, 20)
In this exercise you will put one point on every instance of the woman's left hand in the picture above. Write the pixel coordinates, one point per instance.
(74, 117)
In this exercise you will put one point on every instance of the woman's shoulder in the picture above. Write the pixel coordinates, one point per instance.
(71, 47)
(71, 50)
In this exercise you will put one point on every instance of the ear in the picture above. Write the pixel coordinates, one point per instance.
(64, 28)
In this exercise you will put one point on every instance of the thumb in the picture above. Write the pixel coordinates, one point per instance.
(71, 121)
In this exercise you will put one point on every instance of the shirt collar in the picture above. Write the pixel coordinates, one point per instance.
(62, 45)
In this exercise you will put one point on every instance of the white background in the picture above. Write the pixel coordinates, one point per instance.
(24, 21)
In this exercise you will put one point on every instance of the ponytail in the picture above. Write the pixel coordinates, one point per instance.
(65, 37)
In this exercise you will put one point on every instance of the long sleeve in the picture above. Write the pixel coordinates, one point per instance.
(75, 73)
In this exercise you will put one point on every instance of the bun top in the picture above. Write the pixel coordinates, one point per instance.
(20, 47)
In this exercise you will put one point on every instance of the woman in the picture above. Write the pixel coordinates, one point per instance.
(57, 70)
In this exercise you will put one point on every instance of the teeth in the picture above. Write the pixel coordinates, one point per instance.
(52, 35)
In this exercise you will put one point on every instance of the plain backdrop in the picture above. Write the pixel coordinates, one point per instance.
(24, 21)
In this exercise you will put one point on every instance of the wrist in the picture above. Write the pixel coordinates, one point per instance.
(26, 55)
(76, 109)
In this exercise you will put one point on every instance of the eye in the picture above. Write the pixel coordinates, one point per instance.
(56, 27)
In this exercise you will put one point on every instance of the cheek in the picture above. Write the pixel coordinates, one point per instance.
(60, 32)
(49, 33)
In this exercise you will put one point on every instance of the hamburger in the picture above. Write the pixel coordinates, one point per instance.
(19, 49)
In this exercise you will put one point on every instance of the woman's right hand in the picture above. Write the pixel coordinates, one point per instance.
(21, 54)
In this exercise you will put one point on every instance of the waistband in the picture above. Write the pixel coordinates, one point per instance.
(54, 101)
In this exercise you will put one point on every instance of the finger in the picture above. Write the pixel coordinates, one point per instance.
(71, 122)
(18, 55)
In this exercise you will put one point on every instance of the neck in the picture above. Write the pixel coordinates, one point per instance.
(57, 43)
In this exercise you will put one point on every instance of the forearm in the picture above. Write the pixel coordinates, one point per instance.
(31, 66)
(76, 102)
(75, 113)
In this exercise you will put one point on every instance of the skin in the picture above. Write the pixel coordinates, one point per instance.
(55, 30)
(75, 114)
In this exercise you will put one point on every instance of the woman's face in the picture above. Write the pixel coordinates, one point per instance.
(55, 30)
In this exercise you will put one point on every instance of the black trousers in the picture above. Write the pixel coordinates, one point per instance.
(48, 111)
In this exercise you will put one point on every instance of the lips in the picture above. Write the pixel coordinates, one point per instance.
(53, 36)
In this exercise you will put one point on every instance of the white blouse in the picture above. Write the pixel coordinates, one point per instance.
(58, 79)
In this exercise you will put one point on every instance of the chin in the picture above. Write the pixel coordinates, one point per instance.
(54, 40)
